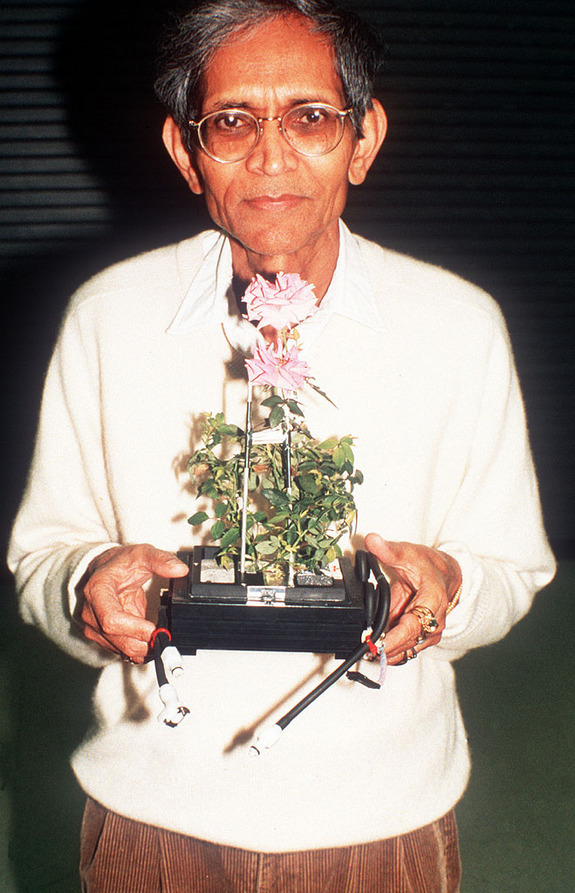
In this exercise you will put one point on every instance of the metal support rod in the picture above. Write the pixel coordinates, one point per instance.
(287, 457)
(244, 530)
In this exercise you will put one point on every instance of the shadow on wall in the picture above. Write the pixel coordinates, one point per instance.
(106, 67)
(105, 71)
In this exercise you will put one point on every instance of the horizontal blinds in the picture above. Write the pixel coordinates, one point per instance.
(48, 194)
(475, 174)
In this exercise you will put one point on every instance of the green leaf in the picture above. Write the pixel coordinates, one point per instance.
(280, 515)
(229, 537)
(308, 483)
(198, 518)
(266, 547)
(276, 497)
(275, 400)
(276, 416)
(329, 444)
(291, 536)
(217, 530)
(339, 457)
(347, 451)
(230, 430)
(294, 407)
(227, 562)
(221, 509)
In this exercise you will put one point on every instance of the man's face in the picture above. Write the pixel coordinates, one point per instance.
(276, 203)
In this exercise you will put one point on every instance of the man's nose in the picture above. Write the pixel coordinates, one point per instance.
(273, 154)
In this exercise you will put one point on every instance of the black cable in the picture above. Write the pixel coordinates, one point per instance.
(161, 641)
(378, 628)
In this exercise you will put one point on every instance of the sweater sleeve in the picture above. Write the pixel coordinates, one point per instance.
(66, 516)
(494, 527)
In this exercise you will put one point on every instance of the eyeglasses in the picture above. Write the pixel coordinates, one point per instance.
(230, 135)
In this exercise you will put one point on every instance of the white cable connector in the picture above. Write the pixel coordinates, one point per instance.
(174, 711)
(266, 739)
(172, 661)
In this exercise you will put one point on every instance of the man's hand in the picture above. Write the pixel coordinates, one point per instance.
(420, 577)
(114, 607)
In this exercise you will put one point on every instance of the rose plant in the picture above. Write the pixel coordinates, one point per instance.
(298, 514)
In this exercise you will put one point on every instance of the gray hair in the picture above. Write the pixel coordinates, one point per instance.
(189, 47)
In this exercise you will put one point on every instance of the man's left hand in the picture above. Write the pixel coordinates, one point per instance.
(420, 577)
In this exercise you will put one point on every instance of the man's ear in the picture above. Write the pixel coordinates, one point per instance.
(374, 128)
(174, 143)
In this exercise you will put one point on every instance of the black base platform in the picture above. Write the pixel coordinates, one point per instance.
(213, 609)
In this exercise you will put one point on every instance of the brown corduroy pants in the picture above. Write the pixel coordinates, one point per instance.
(119, 855)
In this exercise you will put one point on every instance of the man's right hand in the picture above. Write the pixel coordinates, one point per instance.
(114, 607)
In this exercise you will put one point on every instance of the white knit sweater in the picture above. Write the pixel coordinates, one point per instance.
(426, 384)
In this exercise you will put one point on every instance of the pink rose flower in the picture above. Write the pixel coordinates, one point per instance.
(280, 304)
(277, 366)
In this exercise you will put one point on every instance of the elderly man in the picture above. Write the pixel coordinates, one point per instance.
(271, 117)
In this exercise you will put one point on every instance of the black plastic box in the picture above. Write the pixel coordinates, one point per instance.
(212, 609)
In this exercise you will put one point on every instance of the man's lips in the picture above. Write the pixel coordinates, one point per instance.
(274, 202)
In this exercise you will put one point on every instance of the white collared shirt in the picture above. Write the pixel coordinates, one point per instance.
(207, 298)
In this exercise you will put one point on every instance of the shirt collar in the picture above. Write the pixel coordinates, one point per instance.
(207, 299)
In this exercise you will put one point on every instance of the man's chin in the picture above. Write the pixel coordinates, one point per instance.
(271, 247)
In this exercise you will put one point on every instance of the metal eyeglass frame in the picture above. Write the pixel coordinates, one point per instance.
(279, 118)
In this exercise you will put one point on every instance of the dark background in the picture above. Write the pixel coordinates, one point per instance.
(475, 175)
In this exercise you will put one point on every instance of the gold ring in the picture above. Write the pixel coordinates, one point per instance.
(427, 620)
(404, 659)
(412, 655)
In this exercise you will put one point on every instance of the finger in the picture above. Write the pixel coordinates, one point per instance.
(120, 624)
(127, 566)
(379, 547)
(105, 613)
(396, 652)
(115, 586)
(118, 630)
(400, 597)
(409, 631)
(166, 564)
(99, 639)
(403, 558)
(405, 634)
(401, 588)
(133, 649)
(409, 653)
